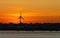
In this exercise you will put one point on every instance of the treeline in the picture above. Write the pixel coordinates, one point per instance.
(31, 27)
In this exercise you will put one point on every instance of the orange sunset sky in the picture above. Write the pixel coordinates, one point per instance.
(39, 11)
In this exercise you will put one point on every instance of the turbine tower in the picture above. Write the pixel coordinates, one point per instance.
(20, 17)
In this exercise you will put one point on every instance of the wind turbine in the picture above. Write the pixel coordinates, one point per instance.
(20, 17)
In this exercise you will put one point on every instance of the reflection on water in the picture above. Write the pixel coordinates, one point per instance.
(30, 34)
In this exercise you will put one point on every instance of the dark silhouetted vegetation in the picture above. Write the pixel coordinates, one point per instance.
(31, 27)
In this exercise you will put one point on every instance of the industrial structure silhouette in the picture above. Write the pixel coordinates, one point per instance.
(21, 17)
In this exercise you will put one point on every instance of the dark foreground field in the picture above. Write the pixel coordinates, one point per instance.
(46, 30)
